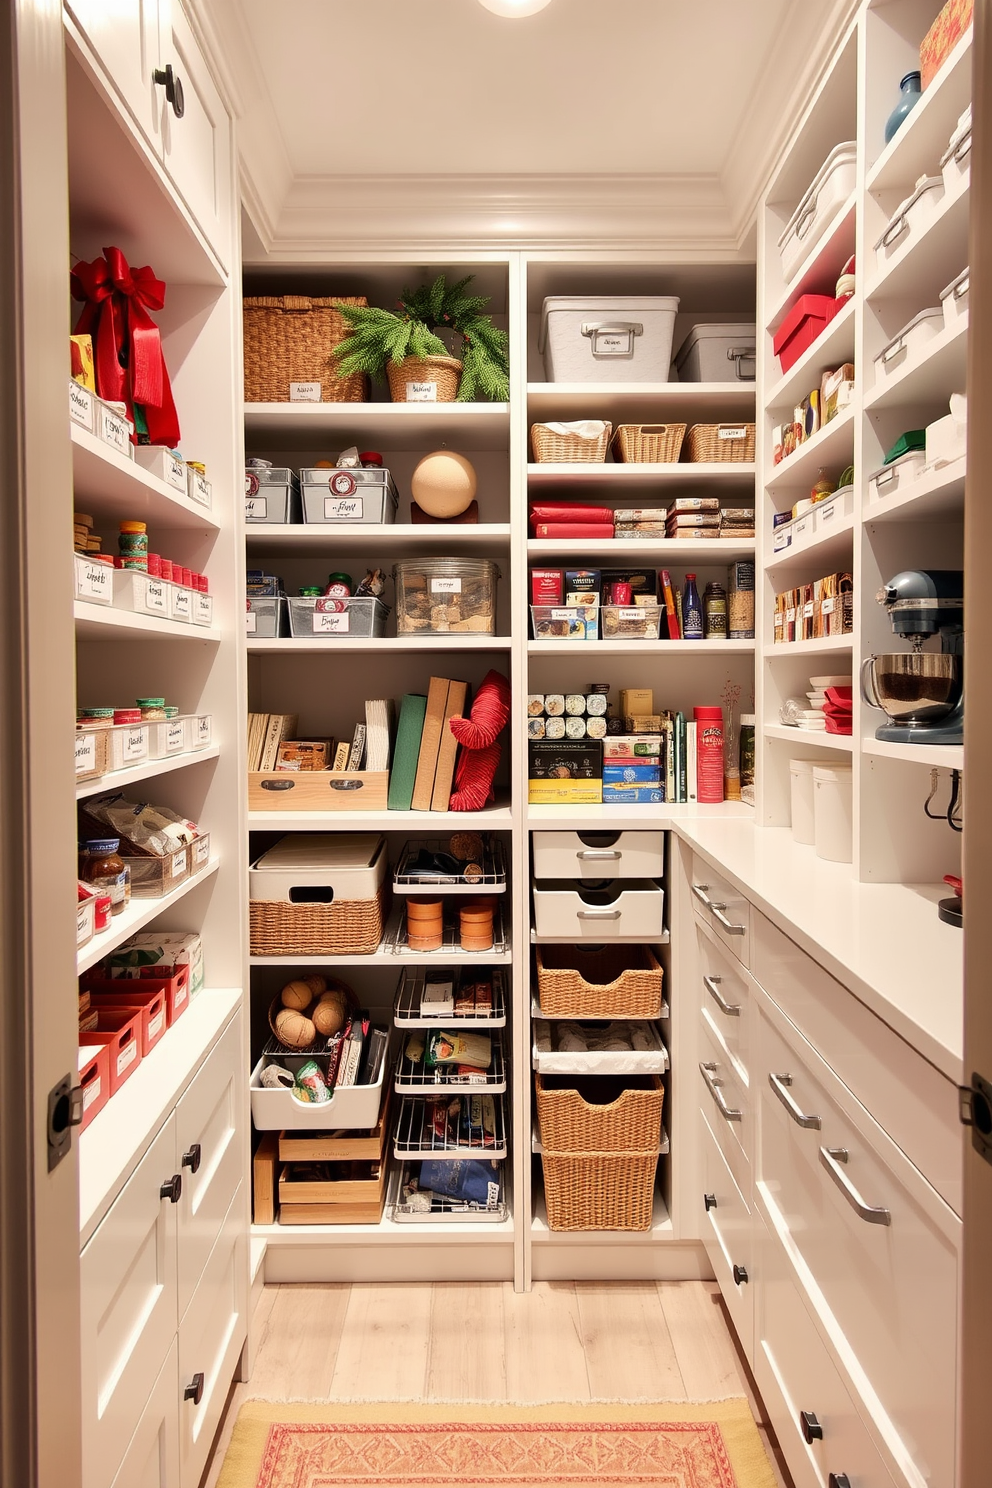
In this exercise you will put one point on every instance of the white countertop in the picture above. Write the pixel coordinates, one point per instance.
(882, 941)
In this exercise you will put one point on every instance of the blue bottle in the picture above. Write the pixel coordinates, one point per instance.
(909, 97)
(692, 610)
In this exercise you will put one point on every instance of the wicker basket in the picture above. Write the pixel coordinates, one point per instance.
(291, 338)
(615, 982)
(648, 444)
(552, 448)
(444, 372)
(715, 444)
(599, 1190)
(351, 927)
(569, 1123)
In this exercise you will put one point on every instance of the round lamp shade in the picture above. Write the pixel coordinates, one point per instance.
(444, 484)
(514, 7)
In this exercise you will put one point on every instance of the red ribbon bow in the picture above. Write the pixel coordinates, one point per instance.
(127, 344)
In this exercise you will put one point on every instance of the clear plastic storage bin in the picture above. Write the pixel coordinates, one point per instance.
(441, 595)
(565, 622)
(315, 617)
(630, 622)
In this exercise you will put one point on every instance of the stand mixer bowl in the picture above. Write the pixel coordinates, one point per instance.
(918, 687)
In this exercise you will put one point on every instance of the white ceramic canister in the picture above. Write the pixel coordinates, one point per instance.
(801, 773)
(833, 812)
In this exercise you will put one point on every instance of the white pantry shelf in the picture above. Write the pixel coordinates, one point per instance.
(946, 756)
(110, 487)
(822, 644)
(650, 650)
(831, 349)
(148, 770)
(583, 473)
(613, 817)
(938, 494)
(641, 402)
(938, 253)
(916, 148)
(138, 914)
(832, 546)
(833, 445)
(389, 645)
(803, 737)
(402, 539)
(421, 823)
(388, 1231)
(387, 426)
(621, 551)
(106, 623)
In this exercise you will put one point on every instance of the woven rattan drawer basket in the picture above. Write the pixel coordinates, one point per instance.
(623, 981)
(351, 927)
(599, 1190)
(551, 447)
(291, 338)
(719, 443)
(569, 1123)
(648, 444)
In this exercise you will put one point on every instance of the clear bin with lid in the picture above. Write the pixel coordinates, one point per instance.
(446, 595)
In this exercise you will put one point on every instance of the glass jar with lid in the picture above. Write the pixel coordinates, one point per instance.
(101, 865)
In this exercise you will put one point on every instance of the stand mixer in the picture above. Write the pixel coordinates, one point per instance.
(922, 692)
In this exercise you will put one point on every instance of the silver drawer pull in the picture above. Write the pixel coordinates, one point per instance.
(600, 855)
(701, 892)
(708, 1072)
(597, 914)
(717, 911)
(831, 1158)
(780, 1084)
(730, 1009)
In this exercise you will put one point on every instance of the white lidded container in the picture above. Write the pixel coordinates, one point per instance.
(607, 338)
(320, 868)
(718, 352)
(955, 163)
(576, 910)
(833, 812)
(599, 854)
(819, 206)
(801, 778)
(898, 476)
(910, 218)
(907, 346)
(954, 299)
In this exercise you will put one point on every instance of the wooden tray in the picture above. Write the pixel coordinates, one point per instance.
(332, 791)
(334, 1147)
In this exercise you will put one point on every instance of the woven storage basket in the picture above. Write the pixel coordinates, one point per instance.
(552, 448)
(599, 1190)
(616, 982)
(648, 444)
(350, 927)
(571, 1124)
(291, 338)
(444, 372)
(704, 444)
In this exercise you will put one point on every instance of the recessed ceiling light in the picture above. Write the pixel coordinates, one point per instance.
(514, 7)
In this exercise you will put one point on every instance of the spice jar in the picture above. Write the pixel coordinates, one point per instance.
(371, 459)
(152, 709)
(132, 545)
(101, 865)
(339, 586)
(715, 612)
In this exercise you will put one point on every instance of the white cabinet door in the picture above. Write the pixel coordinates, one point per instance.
(152, 1459)
(725, 998)
(128, 1307)
(726, 1233)
(211, 1337)
(124, 38)
(196, 148)
(211, 1156)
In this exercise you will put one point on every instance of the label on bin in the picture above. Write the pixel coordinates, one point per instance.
(782, 539)
(827, 606)
(93, 580)
(304, 392)
(85, 752)
(182, 603)
(155, 596)
(84, 926)
(134, 744)
(731, 431)
(127, 1056)
(199, 487)
(256, 508)
(91, 1092)
(807, 609)
(175, 472)
(446, 586)
(80, 405)
(344, 508)
(115, 430)
(178, 863)
(203, 729)
(630, 614)
(421, 392)
(203, 608)
(828, 510)
(799, 526)
(251, 622)
(330, 624)
(175, 736)
(156, 1024)
(201, 851)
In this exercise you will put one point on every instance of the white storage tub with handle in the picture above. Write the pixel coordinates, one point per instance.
(801, 776)
(607, 338)
(954, 299)
(718, 352)
(955, 163)
(573, 910)
(896, 477)
(906, 348)
(599, 855)
(912, 217)
(819, 207)
(833, 812)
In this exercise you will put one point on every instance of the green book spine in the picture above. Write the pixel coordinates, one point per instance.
(680, 778)
(407, 751)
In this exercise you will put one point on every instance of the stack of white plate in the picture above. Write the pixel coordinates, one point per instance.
(814, 718)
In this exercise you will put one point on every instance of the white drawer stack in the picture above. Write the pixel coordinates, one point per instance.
(599, 886)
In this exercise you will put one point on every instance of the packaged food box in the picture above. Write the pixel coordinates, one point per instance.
(630, 773)
(159, 954)
(630, 747)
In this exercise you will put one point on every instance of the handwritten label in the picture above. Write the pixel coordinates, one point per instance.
(421, 392)
(807, 609)
(828, 512)
(790, 617)
(127, 1056)
(563, 614)
(175, 736)
(175, 472)
(179, 864)
(446, 586)
(114, 429)
(800, 526)
(203, 608)
(155, 601)
(251, 622)
(182, 992)
(91, 1092)
(612, 343)
(85, 753)
(156, 1025)
(204, 724)
(201, 850)
(94, 581)
(199, 488)
(827, 606)
(344, 508)
(182, 603)
(325, 624)
(256, 508)
(305, 392)
(84, 921)
(626, 614)
(134, 744)
(80, 405)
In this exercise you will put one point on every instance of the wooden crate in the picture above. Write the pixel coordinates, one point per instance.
(337, 1146)
(350, 1201)
(332, 791)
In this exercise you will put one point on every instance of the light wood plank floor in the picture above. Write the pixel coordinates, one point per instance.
(458, 1341)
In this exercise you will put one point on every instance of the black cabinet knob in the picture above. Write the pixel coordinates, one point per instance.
(740, 1275)
(191, 1159)
(709, 1202)
(194, 1390)
(838, 1480)
(172, 1188)
(812, 1430)
(172, 83)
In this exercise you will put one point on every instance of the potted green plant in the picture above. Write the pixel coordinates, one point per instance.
(404, 346)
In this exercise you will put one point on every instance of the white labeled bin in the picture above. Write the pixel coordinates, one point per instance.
(203, 608)
(947, 437)
(272, 495)
(180, 603)
(830, 514)
(801, 777)
(820, 206)
(82, 406)
(166, 737)
(129, 744)
(580, 911)
(265, 617)
(912, 217)
(351, 1107)
(330, 496)
(162, 463)
(833, 812)
(599, 854)
(198, 488)
(718, 352)
(199, 730)
(955, 163)
(910, 344)
(896, 478)
(138, 591)
(113, 428)
(954, 299)
(607, 338)
(317, 617)
(93, 581)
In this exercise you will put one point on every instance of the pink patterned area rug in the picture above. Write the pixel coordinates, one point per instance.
(713, 1445)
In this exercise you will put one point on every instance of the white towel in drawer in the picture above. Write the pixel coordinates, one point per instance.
(599, 854)
(570, 1049)
(577, 911)
(878, 1242)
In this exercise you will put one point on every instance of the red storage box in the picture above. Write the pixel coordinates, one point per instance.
(807, 320)
(123, 1046)
(133, 991)
(148, 1008)
(94, 1078)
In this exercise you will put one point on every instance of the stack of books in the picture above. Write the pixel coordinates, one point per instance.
(272, 745)
(693, 517)
(641, 521)
(426, 749)
(737, 521)
(565, 519)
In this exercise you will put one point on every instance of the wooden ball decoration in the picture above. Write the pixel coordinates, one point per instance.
(294, 1030)
(329, 1016)
(297, 995)
(316, 983)
(444, 484)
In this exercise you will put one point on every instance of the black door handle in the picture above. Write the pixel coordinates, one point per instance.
(812, 1430)
(172, 83)
(838, 1480)
(709, 1202)
(740, 1275)
(172, 1188)
(194, 1390)
(191, 1159)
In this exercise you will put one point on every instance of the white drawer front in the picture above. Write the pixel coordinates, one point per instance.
(725, 998)
(632, 907)
(726, 1100)
(722, 908)
(209, 1122)
(796, 1374)
(211, 1337)
(599, 854)
(128, 1308)
(879, 1244)
(726, 1233)
(152, 1459)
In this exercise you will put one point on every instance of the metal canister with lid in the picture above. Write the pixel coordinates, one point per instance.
(715, 612)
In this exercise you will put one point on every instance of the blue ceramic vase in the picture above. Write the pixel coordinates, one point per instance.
(909, 97)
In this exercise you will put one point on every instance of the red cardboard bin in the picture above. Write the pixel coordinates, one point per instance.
(804, 324)
(148, 1008)
(134, 990)
(94, 1078)
(123, 1045)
